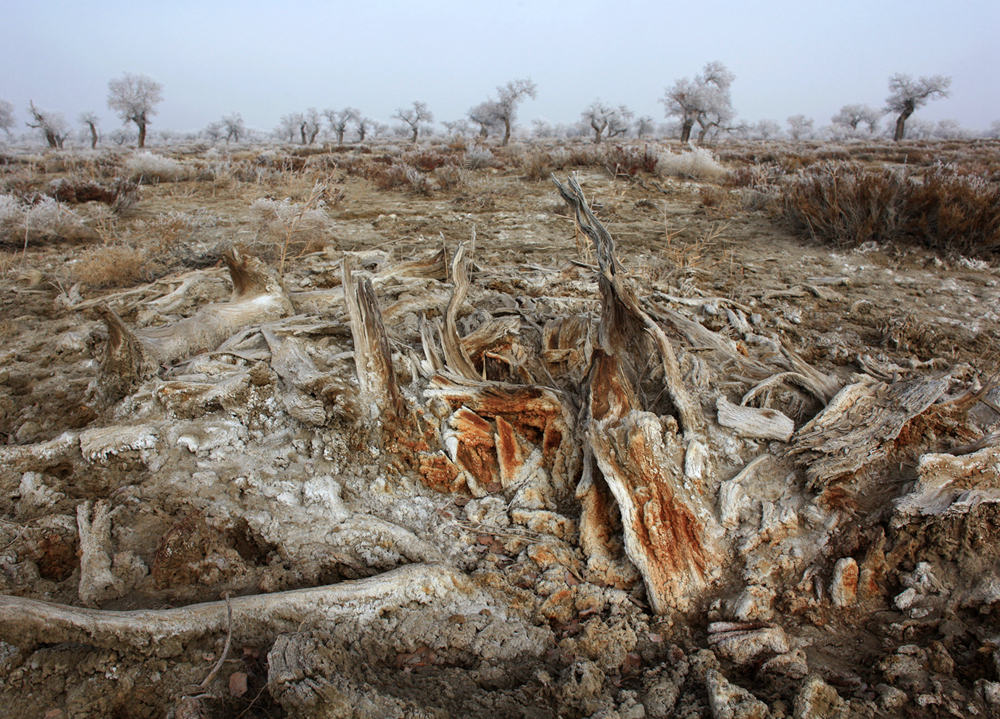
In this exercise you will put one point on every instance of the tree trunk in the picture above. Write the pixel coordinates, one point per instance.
(93, 135)
(686, 130)
(506, 131)
(142, 134)
(416, 131)
(901, 126)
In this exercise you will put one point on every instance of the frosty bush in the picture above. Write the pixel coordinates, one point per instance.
(695, 164)
(148, 167)
(476, 158)
(44, 217)
(284, 225)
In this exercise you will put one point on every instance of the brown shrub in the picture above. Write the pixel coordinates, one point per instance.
(111, 266)
(847, 205)
(631, 160)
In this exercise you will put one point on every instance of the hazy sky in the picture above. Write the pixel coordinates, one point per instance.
(266, 59)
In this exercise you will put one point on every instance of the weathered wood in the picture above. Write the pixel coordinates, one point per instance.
(132, 356)
(753, 421)
(378, 391)
(861, 424)
(669, 530)
(164, 632)
(456, 357)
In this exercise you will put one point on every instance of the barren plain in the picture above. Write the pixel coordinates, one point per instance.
(413, 431)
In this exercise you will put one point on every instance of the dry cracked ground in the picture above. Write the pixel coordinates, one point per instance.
(380, 432)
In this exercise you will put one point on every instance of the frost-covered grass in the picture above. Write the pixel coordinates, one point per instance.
(695, 164)
(150, 167)
(21, 221)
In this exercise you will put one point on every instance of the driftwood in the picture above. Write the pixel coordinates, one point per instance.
(164, 632)
(132, 356)
(861, 424)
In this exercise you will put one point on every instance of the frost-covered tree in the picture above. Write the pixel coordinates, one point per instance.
(288, 126)
(363, 125)
(121, 136)
(340, 120)
(6, 117)
(214, 131)
(704, 101)
(994, 130)
(765, 130)
(907, 94)
(487, 115)
(457, 128)
(603, 118)
(853, 117)
(134, 98)
(416, 117)
(509, 96)
(233, 127)
(950, 130)
(89, 120)
(800, 127)
(644, 126)
(52, 125)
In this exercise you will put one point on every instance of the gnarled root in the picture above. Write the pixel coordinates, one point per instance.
(163, 632)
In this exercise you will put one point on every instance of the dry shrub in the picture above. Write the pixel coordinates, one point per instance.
(401, 176)
(711, 196)
(631, 160)
(151, 168)
(284, 226)
(24, 220)
(695, 164)
(848, 205)
(119, 265)
(538, 166)
(478, 158)
(427, 161)
(120, 195)
(451, 177)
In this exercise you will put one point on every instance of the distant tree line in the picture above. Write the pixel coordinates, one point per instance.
(698, 109)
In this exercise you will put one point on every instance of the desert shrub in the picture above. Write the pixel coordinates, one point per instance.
(42, 217)
(400, 175)
(148, 167)
(117, 265)
(477, 158)
(427, 161)
(120, 195)
(284, 226)
(631, 160)
(847, 205)
(694, 164)
(451, 177)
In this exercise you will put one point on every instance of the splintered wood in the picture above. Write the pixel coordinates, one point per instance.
(860, 425)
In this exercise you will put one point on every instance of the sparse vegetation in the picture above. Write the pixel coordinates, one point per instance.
(848, 205)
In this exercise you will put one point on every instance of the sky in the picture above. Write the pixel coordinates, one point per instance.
(267, 59)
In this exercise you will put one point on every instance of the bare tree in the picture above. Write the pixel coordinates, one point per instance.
(509, 96)
(605, 118)
(907, 94)
(213, 131)
(486, 114)
(457, 128)
(89, 119)
(233, 126)
(854, 116)
(705, 100)
(134, 98)
(309, 125)
(6, 117)
(288, 126)
(766, 130)
(415, 117)
(800, 127)
(52, 125)
(340, 120)
(363, 125)
(644, 126)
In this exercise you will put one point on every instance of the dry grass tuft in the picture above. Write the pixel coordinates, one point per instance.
(119, 265)
(695, 164)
